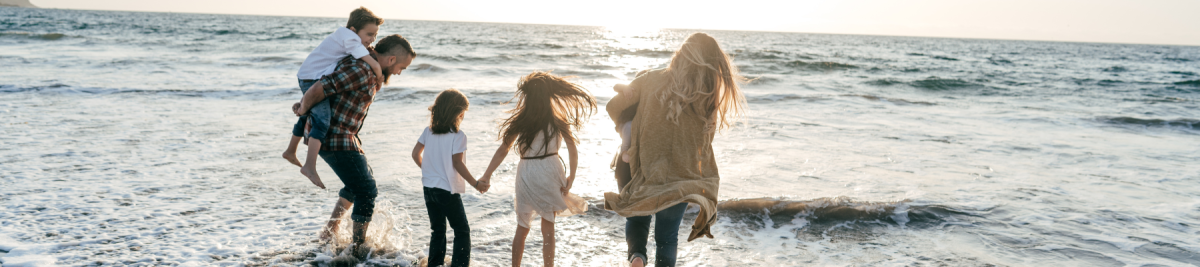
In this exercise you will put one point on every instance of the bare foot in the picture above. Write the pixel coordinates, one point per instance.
(637, 262)
(290, 156)
(311, 173)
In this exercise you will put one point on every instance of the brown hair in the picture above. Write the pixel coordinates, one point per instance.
(446, 108)
(387, 43)
(703, 80)
(390, 45)
(547, 104)
(360, 17)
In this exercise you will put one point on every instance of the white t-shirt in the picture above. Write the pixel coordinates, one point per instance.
(323, 60)
(437, 166)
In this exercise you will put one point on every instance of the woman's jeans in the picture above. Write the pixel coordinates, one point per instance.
(666, 235)
(444, 206)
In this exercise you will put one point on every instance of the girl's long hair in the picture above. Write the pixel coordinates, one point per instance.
(705, 81)
(548, 104)
(449, 104)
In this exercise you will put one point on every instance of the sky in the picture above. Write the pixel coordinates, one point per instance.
(1128, 21)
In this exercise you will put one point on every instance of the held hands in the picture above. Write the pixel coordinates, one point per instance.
(483, 184)
(379, 76)
(298, 108)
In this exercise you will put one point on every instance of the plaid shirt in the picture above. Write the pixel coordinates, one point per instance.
(350, 89)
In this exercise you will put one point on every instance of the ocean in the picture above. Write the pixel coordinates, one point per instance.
(148, 139)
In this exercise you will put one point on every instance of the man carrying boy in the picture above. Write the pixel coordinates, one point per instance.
(350, 90)
(351, 40)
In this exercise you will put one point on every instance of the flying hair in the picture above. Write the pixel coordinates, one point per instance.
(549, 105)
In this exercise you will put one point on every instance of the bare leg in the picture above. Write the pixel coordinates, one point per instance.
(637, 262)
(290, 153)
(310, 163)
(335, 219)
(547, 243)
(518, 247)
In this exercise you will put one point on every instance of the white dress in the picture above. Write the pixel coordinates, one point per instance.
(539, 184)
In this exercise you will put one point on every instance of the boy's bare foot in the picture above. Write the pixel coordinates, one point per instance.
(311, 173)
(290, 156)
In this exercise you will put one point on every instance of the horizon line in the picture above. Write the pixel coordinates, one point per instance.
(660, 28)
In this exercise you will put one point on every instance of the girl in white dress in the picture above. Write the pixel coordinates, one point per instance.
(548, 109)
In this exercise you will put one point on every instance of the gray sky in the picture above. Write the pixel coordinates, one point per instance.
(1140, 21)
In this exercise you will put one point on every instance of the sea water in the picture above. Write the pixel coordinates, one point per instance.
(147, 139)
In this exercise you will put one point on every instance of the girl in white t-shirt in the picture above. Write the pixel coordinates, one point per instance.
(443, 173)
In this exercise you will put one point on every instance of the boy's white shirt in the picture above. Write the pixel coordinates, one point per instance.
(437, 166)
(323, 60)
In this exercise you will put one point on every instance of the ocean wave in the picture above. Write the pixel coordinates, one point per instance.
(885, 82)
(503, 58)
(1115, 69)
(220, 32)
(274, 59)
(761, 80)
(771, 98)
(286, 37)
(1184, 73)
(1189, 83)
(893, 100)
(426, 68)
(936, 83)
(59, 88)
(584, 74)
(1190, 124)
(651, 53)
(945, 58)
(427, 96)
(759, 54)
(836, 210)
(42, 36)
(819, 66)
(531, 46)
(999, 61)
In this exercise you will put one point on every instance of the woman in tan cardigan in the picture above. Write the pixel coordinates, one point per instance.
(679, 109)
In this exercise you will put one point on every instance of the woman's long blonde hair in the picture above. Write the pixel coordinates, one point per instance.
(701, 71)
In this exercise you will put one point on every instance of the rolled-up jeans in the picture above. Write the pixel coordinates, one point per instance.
(666, 235)
(352, 168)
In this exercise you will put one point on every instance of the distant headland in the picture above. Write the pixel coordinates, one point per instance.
(16, 3)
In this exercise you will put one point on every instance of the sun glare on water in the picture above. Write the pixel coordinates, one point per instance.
(630, 48)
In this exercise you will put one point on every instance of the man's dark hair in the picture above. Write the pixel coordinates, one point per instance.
(389, 43)
(361, 17)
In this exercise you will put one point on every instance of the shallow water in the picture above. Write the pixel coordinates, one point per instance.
(154, 139)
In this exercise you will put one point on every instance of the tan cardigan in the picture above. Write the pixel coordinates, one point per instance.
(671, 162)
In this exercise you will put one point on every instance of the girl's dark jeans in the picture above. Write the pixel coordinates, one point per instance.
(444, 206)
